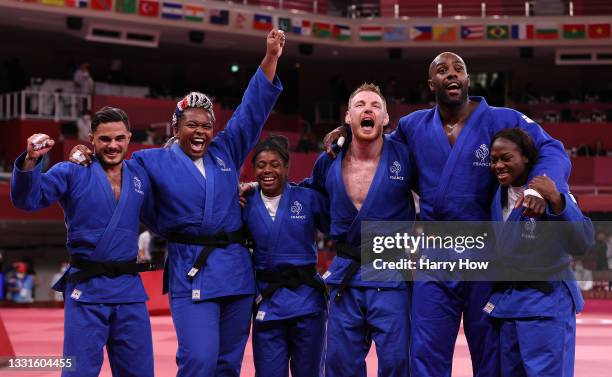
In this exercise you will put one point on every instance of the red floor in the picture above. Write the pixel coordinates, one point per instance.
(36, 332)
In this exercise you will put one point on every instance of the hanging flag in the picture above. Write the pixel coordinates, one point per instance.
(262, 22)
(394, 33)
(241, 20)
(125, 6)
(284, 24)
(472, 32)
(302, 27)
(421, 33)
(597, 31)
(370, 33)
(574, 31)
(148, 8)
(55, 3)
(172, 11)
(219, 16)
(341, 32)
(82, 4)
(100, 4)
(521, 31)
(321, 30)
(546, 31)
(193, 12)
(498, 32)
(445, 33)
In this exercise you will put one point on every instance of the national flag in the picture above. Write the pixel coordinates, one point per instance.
(574, 31)
(172, 11)
(321, 29)
(262, 22)
(472, 32)
(125, 6)
(302, 27)
(76, 3)
(421, 33)
(394, 33)
(498, 32)
(341, 32)
(370, 33)
(219, 16)
(597, 31)
(193, 12)
(148, 8)
(100, 4)
(240, 21)
(55, 3)
(521, 31)
(284, 24)
(546, 31)
(445, 33)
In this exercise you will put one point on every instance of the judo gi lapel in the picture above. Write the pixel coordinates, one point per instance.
(211, 175)
(286, 202)
(190, 166)
(355, 228)
(109, 232)
(454, 157)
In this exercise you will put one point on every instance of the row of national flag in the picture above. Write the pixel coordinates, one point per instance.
(171, 10)
(451, 33)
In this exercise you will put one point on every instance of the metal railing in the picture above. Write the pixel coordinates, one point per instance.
(33, 104)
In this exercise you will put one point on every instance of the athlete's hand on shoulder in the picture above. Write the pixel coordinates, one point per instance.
(81, 155)
(337, 136)
(548, 189)
(245, 188)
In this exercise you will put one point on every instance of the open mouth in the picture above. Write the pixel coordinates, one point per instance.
(502, 176)
(111, 154)
(367, 123)
(453, 88)
(197, 144)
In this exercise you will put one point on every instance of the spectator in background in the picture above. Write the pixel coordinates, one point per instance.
(20, 284)
(600, 150)
(583, 276)
(596, 258)
(306, 144)
(84, 125)
(83, 84)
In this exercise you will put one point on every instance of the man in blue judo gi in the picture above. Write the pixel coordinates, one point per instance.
(370, 181)
(291, 307)
(104, 296)
(450, 146)
(537, 301)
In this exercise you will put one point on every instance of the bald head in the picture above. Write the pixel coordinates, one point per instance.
(445, 57)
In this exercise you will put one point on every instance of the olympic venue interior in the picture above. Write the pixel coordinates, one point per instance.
(564, 84)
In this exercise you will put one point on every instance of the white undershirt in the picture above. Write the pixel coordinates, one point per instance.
(271, 204)
(199, 163)
(514, 193)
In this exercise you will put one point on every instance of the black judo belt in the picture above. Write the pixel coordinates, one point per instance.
(353, 253)
(210, 243)
(542, 285)
(89, 269)
(290, 277)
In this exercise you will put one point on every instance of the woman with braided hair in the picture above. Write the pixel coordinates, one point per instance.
(290, 308)
(209, 273)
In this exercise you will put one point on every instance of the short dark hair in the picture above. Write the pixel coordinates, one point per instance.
(109, 114)
(522, 140)
(276, 143)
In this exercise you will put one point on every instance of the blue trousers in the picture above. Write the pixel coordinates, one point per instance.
(363, 315)
(437, 308)
(297, 342)
(124, 329)
(211, 335)
(542, 347)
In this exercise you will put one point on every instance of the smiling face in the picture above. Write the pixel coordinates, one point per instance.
(194, 132)
(508, 163)
(448, 79)
(271, 172)
(367, 115)
(110, 142)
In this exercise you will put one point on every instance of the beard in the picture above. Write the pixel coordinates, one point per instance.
(443, 98)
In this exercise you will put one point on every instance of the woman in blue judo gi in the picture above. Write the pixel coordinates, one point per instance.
(209, 273)
(537, 315)
(290, 308)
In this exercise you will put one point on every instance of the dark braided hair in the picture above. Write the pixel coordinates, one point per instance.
(277, 143)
